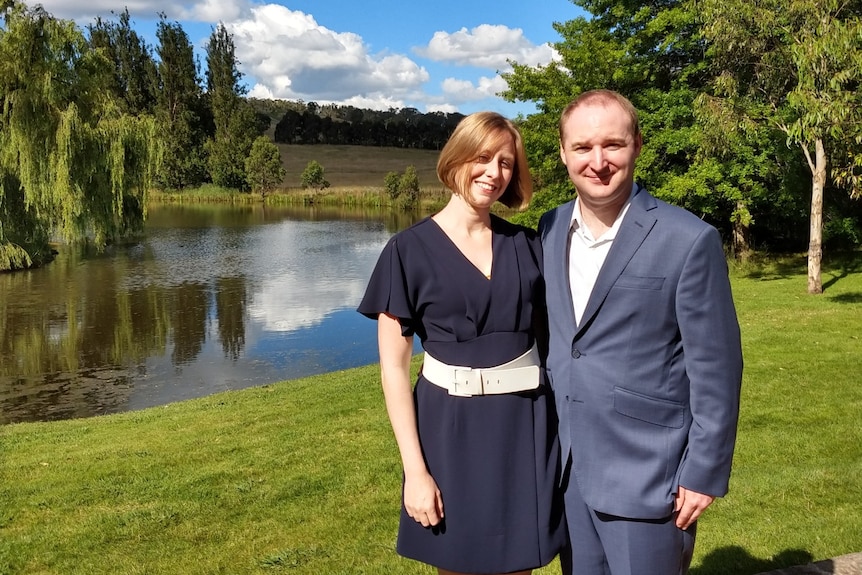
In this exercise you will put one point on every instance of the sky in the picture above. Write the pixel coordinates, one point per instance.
(432, 55)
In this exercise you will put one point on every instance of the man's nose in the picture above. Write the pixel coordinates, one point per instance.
(597, 158)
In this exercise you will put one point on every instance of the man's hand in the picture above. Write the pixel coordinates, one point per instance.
(689, 505)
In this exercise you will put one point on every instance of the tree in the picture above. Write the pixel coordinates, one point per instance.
(390, 184)
(72, 164)
(651, 52)
(408, 189)
(312, 176)
(135, 74)
(234, 118)
(263, 167)
(179, 109)
(796, 66)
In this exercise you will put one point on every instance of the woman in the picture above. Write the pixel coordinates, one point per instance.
(479, 448)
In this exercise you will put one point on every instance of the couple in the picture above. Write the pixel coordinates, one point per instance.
(599, 417)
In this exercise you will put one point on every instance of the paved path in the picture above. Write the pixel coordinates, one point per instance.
(844, 565)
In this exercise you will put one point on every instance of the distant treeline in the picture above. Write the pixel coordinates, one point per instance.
(331, 124)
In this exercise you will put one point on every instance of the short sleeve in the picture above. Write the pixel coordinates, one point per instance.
(387, 289)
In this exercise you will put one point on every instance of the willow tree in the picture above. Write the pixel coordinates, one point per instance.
(72, 166)
(797, 66)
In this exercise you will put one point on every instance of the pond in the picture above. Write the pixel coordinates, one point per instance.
(212, 298)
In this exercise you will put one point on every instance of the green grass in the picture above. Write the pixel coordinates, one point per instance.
(304, 477)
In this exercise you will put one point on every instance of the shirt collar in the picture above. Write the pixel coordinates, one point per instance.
(577, 223)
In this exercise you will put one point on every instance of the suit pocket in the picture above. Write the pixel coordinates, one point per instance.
(653, 410)
(639, 282)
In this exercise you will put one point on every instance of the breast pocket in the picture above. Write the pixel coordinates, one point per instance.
(639, 282)
(653, 410)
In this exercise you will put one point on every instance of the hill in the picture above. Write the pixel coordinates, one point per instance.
(358, 166)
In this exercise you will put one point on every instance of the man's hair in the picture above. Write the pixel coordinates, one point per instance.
(601, 97)
(473, 136)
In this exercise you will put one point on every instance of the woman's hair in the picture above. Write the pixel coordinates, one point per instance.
(478, 134)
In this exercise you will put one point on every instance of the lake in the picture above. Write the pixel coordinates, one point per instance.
(212, 298)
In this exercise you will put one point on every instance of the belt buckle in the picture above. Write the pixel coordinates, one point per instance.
(467, 382)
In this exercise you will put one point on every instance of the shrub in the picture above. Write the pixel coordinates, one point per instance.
(312, 176)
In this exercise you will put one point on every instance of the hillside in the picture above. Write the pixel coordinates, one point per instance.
(359, 166)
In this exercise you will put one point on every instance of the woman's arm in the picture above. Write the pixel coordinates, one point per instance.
(422, 498)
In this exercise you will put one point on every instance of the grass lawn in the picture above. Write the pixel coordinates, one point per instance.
(304, 477)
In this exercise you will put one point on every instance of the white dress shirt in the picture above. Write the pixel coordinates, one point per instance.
(587, 255)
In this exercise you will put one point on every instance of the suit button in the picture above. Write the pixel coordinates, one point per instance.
(576, 353)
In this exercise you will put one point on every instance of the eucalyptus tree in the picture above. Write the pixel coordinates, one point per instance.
(796, 66)
(73, 166)
(135, 75)
(179, 109)
(234, 118)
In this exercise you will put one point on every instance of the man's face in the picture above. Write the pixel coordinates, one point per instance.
(599, 152)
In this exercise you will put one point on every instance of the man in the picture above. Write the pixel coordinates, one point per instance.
(644, 358)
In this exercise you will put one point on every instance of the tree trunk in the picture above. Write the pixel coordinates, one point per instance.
(815, 234)
(741, 236)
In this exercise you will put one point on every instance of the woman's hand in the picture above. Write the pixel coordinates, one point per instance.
(422, 499)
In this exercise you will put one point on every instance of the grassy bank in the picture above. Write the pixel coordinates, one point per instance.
(303, 476)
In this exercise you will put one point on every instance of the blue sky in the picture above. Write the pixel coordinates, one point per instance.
(434, 55)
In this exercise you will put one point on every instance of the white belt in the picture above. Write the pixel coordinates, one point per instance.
(520, 374)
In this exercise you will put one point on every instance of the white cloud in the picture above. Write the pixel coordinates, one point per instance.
(292, 57)
(460, 91)
(287, 54)
(487, 46)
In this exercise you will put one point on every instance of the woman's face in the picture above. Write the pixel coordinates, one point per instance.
(491, 172)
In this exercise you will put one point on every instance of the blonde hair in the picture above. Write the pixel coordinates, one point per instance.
(602, 97)
(474, 135)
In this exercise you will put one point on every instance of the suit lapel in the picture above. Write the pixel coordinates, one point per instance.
(634, 229)
(557, 265)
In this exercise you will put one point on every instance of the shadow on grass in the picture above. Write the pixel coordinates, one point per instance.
(854, 297)
(839, 268)
(735, 560)
(768, 267)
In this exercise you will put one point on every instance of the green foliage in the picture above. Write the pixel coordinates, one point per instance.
(403, 189)
(408, 190)
(390, 184)
(263, 168)
(651, 53)
(135, 77)
(234, 119)
(72, 164)
(795, 67)
(179, 109)
(312, 177)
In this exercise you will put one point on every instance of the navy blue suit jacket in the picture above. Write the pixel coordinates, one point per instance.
(647, 385)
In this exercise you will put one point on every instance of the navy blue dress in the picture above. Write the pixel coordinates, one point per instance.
(495, 458)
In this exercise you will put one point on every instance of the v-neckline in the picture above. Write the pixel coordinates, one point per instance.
(487, 277)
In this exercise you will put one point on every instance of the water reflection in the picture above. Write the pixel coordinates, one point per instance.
(213, 298)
